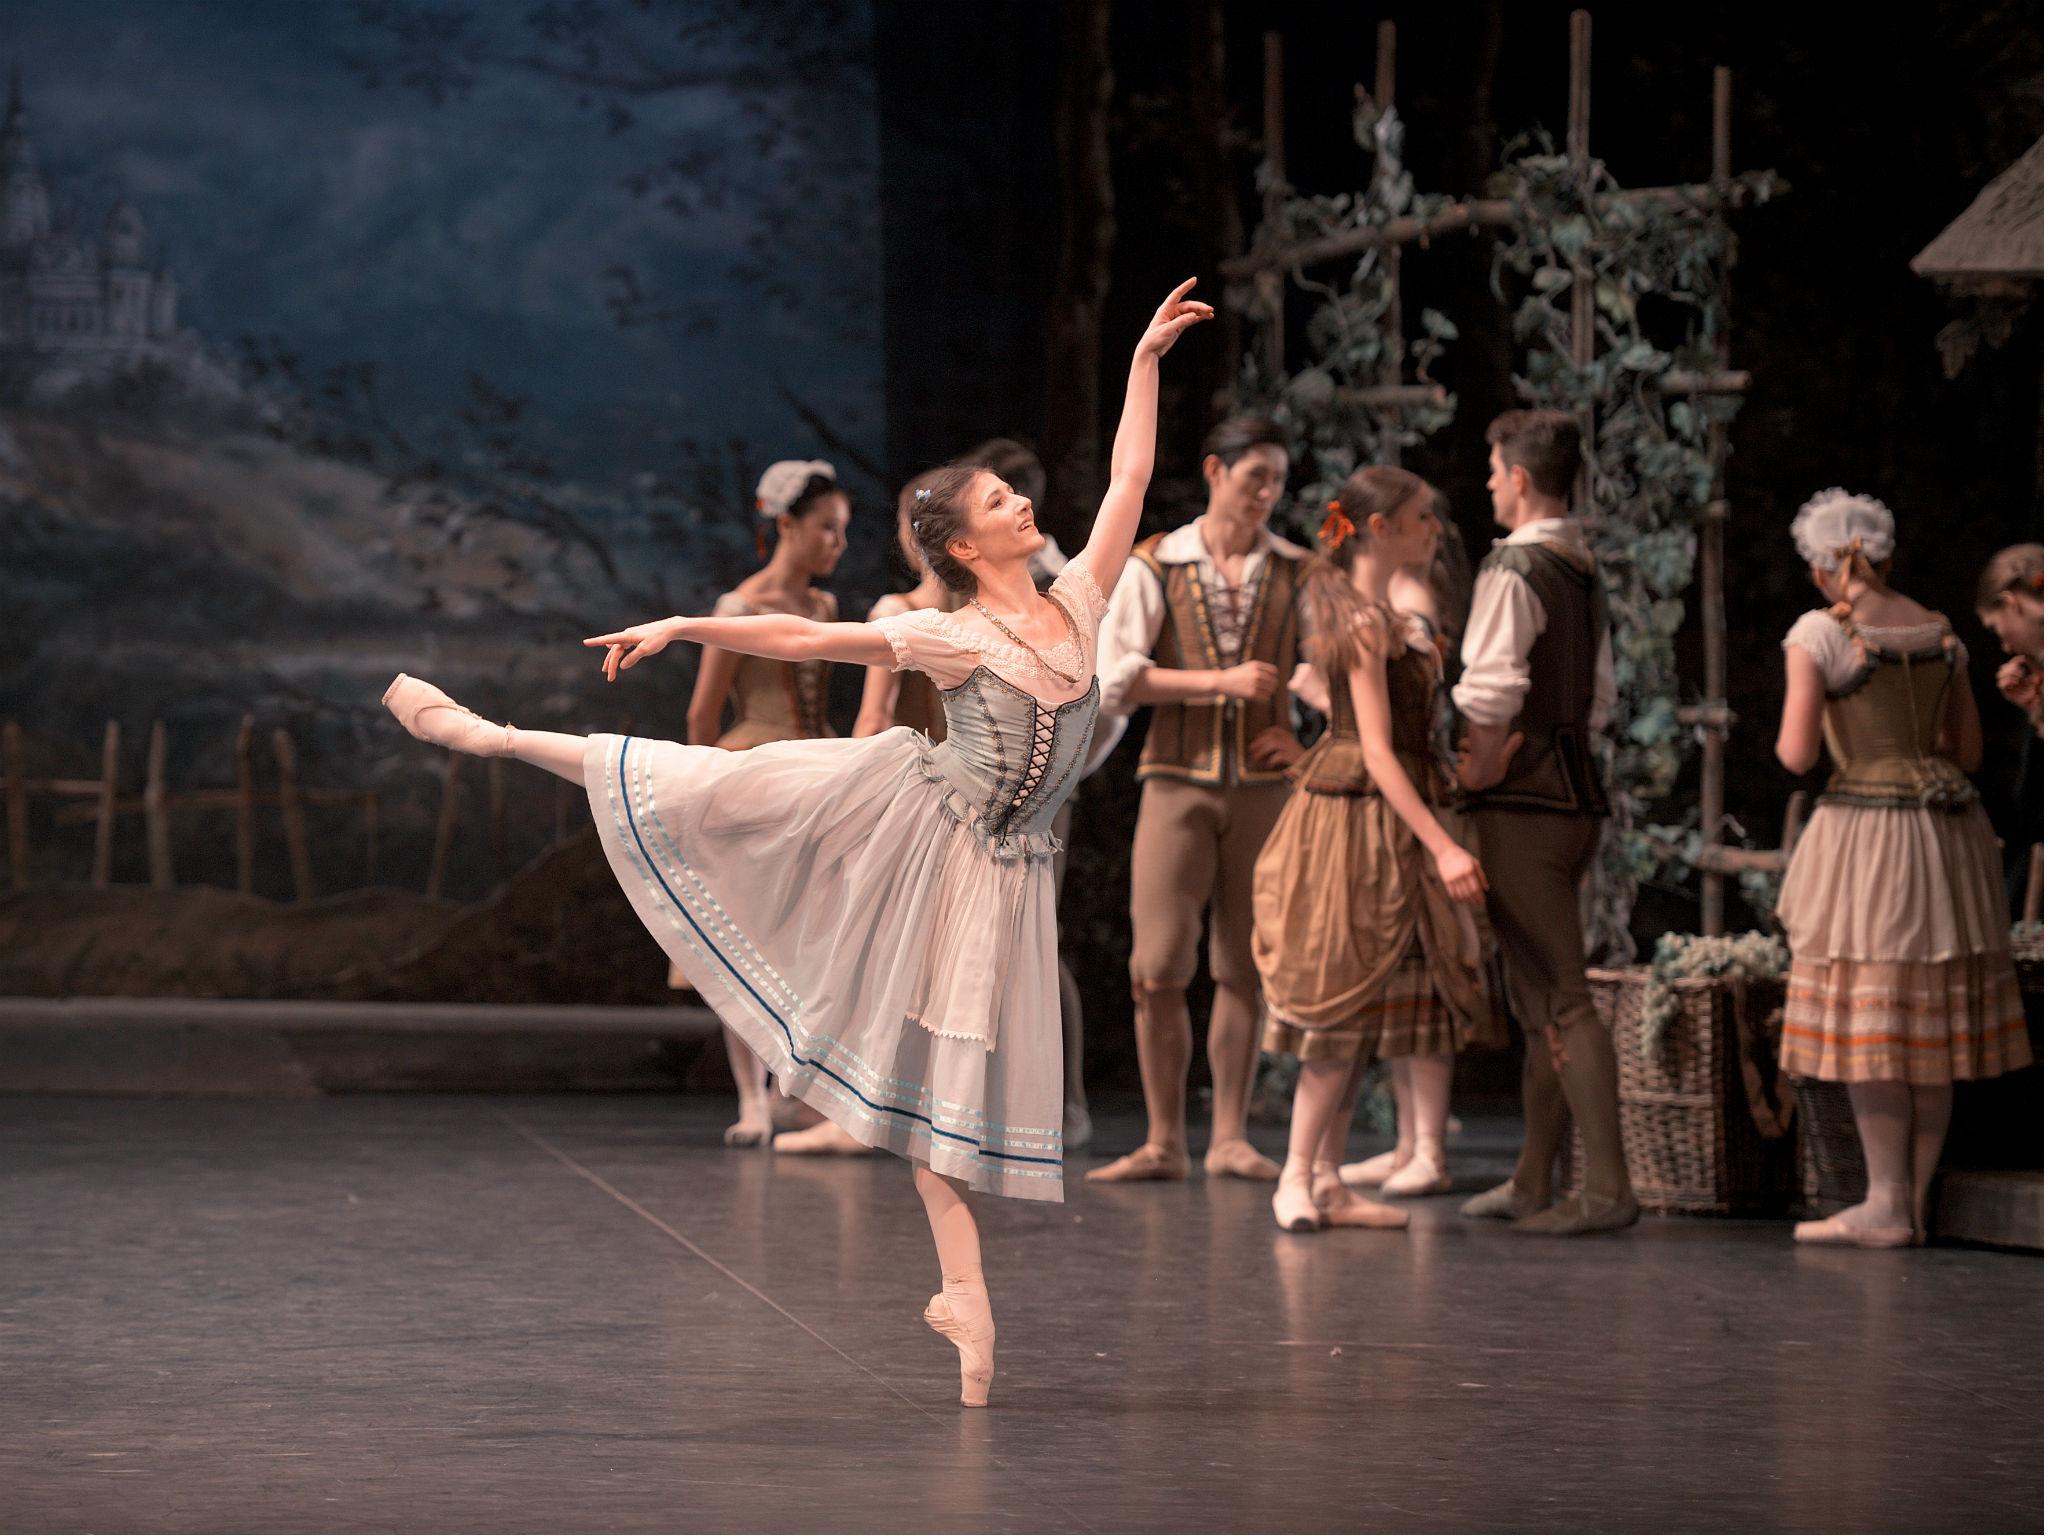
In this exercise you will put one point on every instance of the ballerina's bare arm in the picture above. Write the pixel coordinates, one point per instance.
(1456, 867)
(1137, 435)
(778, 636)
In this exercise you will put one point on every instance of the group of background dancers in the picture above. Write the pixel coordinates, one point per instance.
(873, 917)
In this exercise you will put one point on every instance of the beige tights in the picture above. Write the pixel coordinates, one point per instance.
(960, 1311)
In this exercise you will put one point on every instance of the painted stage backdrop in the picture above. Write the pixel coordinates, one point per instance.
(344, 338)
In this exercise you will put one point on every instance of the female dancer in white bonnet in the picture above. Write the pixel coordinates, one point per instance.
(874, 915)
(771, 700)
(1894, 907)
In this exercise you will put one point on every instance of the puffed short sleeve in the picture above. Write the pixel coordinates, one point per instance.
(929, 641)
(1820, 635)
(1080, 588)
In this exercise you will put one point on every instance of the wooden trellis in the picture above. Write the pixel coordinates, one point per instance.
(1268, 261)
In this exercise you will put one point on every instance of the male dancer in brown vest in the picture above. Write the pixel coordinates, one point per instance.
(1203, 627)
(1538, 683)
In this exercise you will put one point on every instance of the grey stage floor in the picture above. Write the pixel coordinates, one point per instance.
(504, 1314)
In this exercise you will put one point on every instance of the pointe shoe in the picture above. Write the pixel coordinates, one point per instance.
(821, 1140)
(1341, 1208)
(1150, 1163)
(1503, 1202)
(1834, 1232)
(1371, 1172)
(430, 715)
(1581, 1214)
(1420, 1175)
(974, 1338)
(1294, 1202)
(1239, 1160)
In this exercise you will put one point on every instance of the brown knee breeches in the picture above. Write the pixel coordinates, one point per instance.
(1195, 848)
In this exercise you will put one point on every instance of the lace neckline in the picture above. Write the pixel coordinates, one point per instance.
(1068, 654)
(995, 648)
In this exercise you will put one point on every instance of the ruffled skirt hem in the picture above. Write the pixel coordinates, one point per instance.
(1926, 1023)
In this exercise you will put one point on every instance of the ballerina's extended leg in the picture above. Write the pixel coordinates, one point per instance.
(429, 714)
(960, 1311)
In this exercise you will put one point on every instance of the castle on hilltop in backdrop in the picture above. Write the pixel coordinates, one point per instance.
(75, 310)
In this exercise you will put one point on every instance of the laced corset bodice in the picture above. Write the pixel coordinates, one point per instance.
(776, 700)
(1012, 756)
(1013, 751)
(1335, 765)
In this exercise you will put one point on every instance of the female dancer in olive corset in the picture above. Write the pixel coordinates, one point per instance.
(1893, 905)
(875, 915)
(1363, 904)
(771, 700)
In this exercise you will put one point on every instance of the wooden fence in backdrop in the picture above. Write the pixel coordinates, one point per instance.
(102, 804)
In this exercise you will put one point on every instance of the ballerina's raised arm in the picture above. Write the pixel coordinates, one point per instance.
(786, 637)
(1137, 435)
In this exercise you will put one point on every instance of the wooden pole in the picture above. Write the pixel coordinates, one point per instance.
(245, 806)
(1390, 322)
(1272, 294)
(110, 790)
(13, 760)
(1216, 196)
(294, 811)
(1713, 576)
(1725, 381)
(1579, 129)
(1578, 144)
(444, 830)
(156, 812)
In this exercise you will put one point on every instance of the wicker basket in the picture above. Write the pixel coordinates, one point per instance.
(1701, 1136)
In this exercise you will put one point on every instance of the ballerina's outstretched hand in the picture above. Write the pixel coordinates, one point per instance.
(1130, 459)
(636, 642)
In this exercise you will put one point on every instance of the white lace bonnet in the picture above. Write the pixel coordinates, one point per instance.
(783, 481)
(1834, 525)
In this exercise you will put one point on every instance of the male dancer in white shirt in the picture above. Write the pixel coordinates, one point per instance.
(1538, 683)
(1204, 627)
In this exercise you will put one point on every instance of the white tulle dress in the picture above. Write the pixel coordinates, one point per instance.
(875, 916)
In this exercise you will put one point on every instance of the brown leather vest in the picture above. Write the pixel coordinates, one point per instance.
(1554, 770)
(1204, 742)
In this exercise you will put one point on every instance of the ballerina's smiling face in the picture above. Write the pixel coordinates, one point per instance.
(1000, 527)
